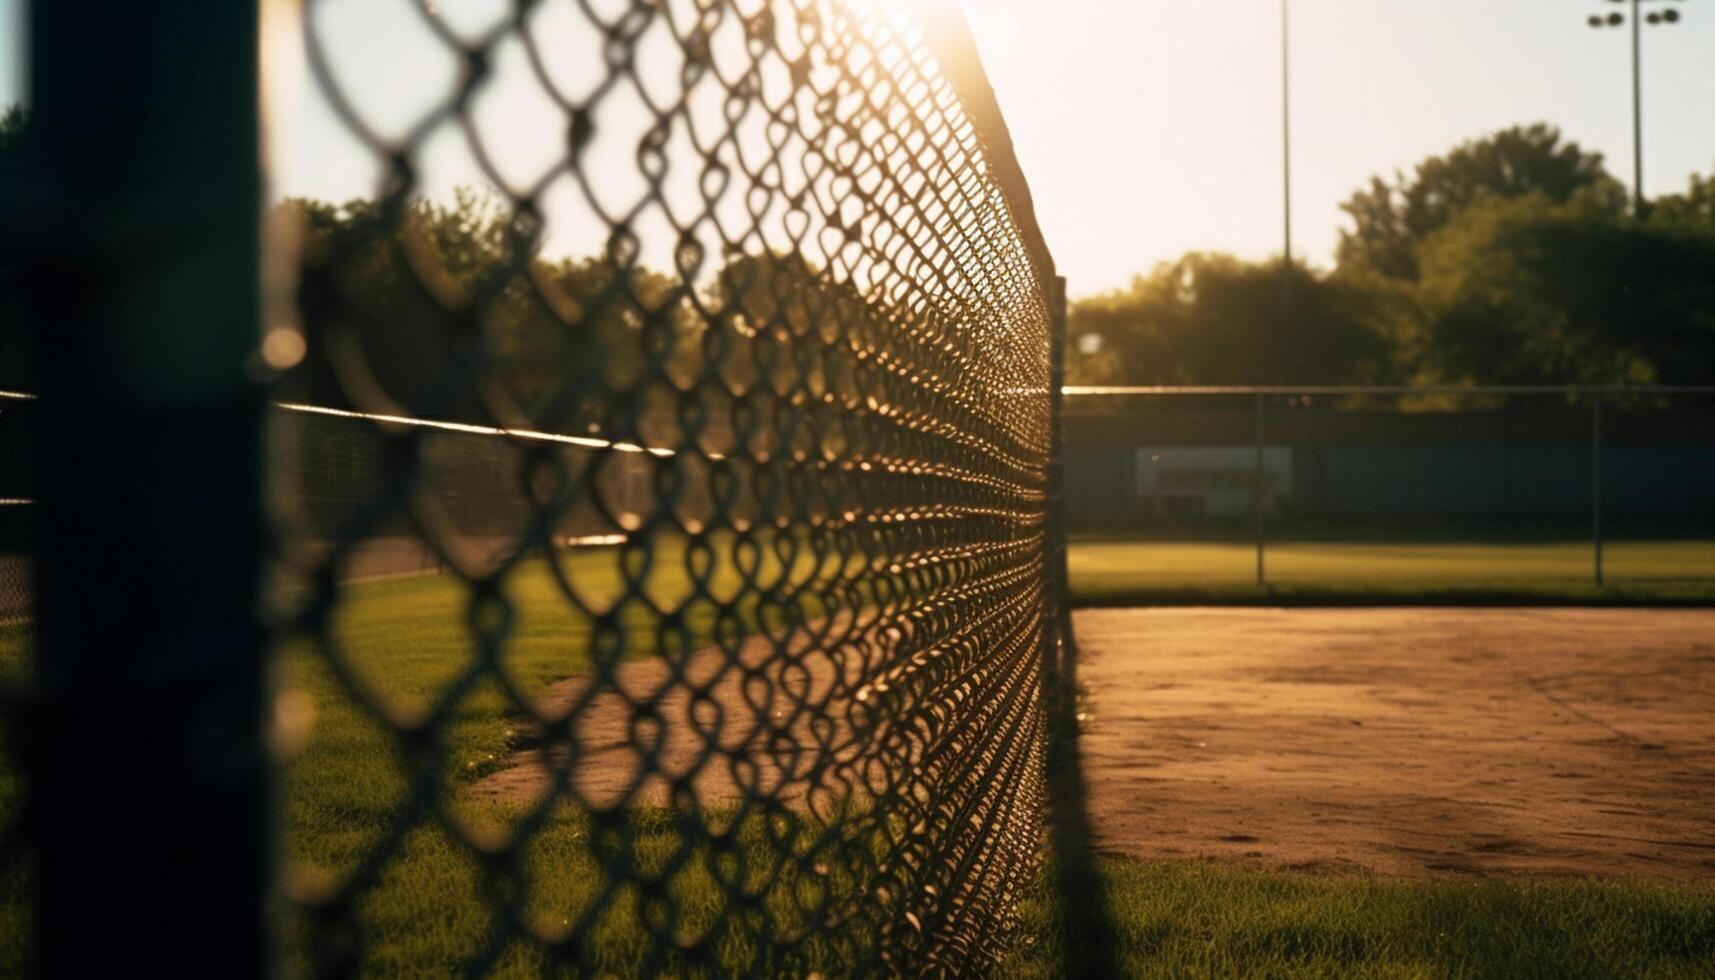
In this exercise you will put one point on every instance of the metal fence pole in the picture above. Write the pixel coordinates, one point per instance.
(1065, 678)
(1256, 497)
(1596, 484)
(144, 754)
(1089, 940)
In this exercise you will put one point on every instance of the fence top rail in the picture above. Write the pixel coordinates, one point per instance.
(467, 428)
(1104, 391)
(1109, 391)
(1078, 391)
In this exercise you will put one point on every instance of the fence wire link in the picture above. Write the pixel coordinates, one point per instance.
(677, 606)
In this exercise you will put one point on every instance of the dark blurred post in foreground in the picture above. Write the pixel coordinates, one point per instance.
(139, 232)
(1062, 656)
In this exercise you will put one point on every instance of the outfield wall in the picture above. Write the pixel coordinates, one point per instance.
(1327, 466)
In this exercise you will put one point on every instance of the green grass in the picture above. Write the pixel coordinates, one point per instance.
(426, 903)
(407, 642)
(1118, 572)
(1194, 920)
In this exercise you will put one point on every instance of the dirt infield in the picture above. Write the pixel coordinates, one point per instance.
(1418, 742)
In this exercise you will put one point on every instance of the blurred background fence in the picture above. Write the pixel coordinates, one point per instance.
(1455, 486)
(334, 461)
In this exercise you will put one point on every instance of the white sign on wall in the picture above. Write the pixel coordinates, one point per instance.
(1213, 481)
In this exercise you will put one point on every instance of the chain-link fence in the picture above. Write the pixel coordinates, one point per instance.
(1458, 490)
(665, 585)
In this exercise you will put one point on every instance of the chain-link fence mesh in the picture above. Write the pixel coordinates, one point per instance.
(677, 606)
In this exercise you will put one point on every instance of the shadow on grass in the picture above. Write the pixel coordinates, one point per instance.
(1082, 917)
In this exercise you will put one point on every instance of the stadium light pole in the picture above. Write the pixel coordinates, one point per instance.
(1284, 361)
(1285, 182)
(1663, 18)
(1286, 130)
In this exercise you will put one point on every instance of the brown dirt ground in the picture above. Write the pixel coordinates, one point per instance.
(776, 722)
(1418, 742)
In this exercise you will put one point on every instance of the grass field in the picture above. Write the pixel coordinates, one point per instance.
(1202, 920)
(359, 802)
(1106, 572)
(409, 637)
(407, 644)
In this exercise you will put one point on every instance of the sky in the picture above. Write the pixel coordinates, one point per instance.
(1149, 128)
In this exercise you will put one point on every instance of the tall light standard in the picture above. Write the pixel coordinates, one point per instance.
(1285, 362)
(1285, 189)
(1666, 17)
(1286, 128)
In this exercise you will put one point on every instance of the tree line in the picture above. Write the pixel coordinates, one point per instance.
(451, 310)
(1510, 259)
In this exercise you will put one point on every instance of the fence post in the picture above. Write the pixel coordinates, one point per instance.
(145, 759)
(1061, 649)
(1596, 483)
(1089, 940)
(1256, 495)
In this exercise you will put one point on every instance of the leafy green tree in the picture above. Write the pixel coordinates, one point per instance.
(1392, 219)
(1214, 319)
(1531, 291)
(1692, 211)
(388, 304)
(447, 310)
(12, 124)
(1511, 259)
